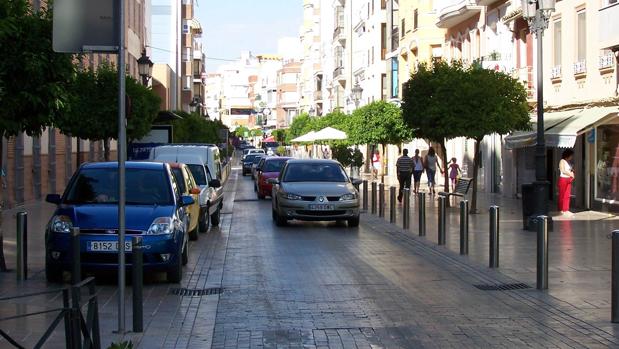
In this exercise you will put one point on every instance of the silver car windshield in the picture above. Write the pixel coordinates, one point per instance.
(317, 172)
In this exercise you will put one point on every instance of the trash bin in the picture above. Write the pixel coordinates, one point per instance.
(528, 204)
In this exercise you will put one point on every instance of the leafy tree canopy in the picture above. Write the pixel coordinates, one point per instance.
(194, 128)
(93, 112)
(301, 124)
(33, 78)
(379, 122)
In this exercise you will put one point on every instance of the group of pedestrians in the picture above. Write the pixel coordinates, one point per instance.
(415, 166)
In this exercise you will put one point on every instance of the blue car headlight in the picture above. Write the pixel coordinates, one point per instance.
(161, 226)
(61, 224)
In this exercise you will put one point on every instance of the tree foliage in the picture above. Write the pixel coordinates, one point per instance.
(300, 125)
(280, 135)
(444, 101)
(379, 122)
(241, 131)
(93, 112)
(34, 79)
(194, 128)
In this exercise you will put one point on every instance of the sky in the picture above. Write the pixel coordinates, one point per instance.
(232, 26)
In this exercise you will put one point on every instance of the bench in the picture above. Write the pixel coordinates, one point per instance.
(462, 188)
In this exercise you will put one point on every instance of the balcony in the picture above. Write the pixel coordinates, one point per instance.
(609, 26)
(338, 34)
(555, 73)
(318, 96)
(607, 61)
(580, 67)
(456, 11)
(395, 38)
(525, 76)
(338, 74)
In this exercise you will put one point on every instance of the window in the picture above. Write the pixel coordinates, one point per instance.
(556, 37)
(403, 27)
(383, 86)
(607, 167)
(394, 77)
(415, 19)
(383, 40)
(582, 36)
(383, 4)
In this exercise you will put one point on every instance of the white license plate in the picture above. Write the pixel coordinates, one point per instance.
(107, 246)
(321, 207)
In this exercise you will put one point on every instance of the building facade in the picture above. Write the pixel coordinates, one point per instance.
(287, 106)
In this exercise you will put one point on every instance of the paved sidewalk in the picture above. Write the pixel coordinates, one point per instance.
(579, 248)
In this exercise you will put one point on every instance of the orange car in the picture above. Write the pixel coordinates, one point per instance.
(187, 186)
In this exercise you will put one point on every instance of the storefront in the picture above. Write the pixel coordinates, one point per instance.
(593, 134)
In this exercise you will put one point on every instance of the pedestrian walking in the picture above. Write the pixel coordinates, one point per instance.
(566, 177)
(418, 167)
(431, 166)
(375, 164)
(404, 167)
(454, 173)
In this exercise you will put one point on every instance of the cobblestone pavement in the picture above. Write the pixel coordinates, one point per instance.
(324, 285)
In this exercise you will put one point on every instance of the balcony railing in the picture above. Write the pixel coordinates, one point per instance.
(580, 67)
(555, 72)
(607, 61)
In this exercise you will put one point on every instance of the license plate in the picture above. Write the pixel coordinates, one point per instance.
(107, 246)
(321, 207)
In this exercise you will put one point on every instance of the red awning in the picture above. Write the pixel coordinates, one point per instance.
(269, 139)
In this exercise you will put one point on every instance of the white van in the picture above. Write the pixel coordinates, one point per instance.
(204, 162)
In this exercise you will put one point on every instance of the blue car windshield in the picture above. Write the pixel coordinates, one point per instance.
(100, 186)
(315, 172)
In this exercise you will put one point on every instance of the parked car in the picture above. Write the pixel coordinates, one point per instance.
(314, 190)
(270, 147)
(255, 163)
(257, 171)
(205, 166)
(155, 210)
(188, 187)
(270, 168)
(248, 162)
(255, 151)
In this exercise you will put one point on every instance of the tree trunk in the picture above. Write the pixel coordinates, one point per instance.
(382, 165)
(106, 149)
(445, 168)
(2, 260)
(475, 172)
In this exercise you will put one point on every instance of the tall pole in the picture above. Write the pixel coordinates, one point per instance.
(540, 148)
(122, 139)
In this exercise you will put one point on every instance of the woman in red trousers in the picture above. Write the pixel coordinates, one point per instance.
(566, 177)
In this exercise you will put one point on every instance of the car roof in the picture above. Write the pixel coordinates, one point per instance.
(129, 164)
(278, 158)
(312, 161)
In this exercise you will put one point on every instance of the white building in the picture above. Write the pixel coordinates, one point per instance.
(236, 106)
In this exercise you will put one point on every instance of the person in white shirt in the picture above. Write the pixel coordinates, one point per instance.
(566, 177)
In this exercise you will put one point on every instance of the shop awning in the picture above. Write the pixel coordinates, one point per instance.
(562, 128)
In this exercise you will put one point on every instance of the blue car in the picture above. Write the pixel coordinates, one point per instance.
(155, 210)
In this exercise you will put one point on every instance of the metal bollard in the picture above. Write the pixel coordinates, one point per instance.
(406, 214)
(22, 246)
(422, 214)
(442, 213)
(381, 200)
(76, 264)
(542, 253)
(464, 227)
(365, 195)
(392, 204)
(137, 283)
(373, 197)
(494, 237)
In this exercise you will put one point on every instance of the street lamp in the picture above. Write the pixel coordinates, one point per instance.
(357, 92)
(537, 14)
(145, 67)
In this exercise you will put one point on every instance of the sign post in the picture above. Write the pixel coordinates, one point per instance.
(98, 26)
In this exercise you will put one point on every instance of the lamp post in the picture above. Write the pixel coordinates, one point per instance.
(537, 14)
(145, 67)
(357, 92)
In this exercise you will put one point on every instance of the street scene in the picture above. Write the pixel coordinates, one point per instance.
(309, 174)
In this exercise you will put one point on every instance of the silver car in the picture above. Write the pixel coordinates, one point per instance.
(315, 190)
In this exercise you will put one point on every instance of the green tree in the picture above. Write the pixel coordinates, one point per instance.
(33, 78)
(241, 131)
(93, 112)
(301, 124)
(431, 104)
(280, 135)
(446, 101)
(194, 128)
(493, 102)
(256, 132)
(379, 122)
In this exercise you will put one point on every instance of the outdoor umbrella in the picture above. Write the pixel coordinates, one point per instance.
(329, 134)
(308, 137)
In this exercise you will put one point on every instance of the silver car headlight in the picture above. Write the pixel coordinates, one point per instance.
(61, 224)
(290, 196)
(161, 226)
(349, 196)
